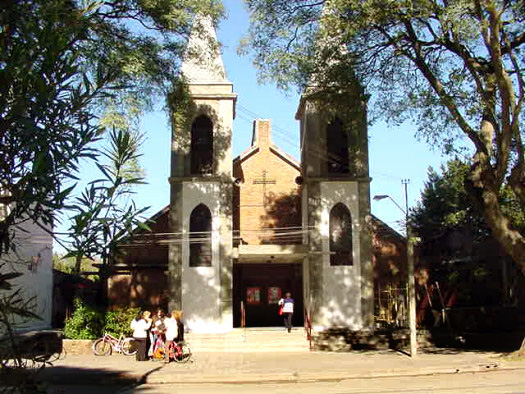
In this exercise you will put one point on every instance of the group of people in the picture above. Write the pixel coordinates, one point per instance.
(154, 335)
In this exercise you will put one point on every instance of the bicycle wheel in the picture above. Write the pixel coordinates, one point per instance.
(129, 346)
(182, 353)
(101, 347)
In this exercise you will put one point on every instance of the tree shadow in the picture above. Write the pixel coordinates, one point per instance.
(283, 215)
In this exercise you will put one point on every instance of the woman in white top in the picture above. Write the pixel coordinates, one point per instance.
(171, 333)
(140, 326)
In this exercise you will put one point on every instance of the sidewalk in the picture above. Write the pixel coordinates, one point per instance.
(270, 367)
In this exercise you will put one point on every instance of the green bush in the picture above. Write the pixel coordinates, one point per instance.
(85, 322)
(118, 321)
(89, 323)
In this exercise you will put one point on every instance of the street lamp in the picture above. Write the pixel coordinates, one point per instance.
(410, 271)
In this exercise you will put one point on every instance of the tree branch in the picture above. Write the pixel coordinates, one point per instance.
(438, 87)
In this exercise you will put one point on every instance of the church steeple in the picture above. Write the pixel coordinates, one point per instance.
(201, 185)
(202, 61)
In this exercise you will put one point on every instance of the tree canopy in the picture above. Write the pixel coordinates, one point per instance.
(68, 69)
(456, 244)
(456, 68)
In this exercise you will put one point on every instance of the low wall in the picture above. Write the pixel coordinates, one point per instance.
(77, 346)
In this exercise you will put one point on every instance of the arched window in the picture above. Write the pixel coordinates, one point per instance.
(200, 237)
(340, 236)
(201, 146)
(337, 148)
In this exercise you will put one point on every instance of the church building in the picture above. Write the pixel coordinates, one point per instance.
(239, 233)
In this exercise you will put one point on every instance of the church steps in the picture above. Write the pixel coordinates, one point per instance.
(250, 340)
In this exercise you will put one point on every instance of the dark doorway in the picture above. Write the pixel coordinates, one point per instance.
(260, 286)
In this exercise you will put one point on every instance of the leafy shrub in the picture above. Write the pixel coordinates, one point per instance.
(85, 322)
(118, 321)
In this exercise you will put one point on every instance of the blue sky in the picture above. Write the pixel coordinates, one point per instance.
(394, 153)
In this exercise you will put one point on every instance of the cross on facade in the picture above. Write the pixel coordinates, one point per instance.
(263, 180)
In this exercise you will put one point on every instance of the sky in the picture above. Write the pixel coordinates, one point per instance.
(394, 153)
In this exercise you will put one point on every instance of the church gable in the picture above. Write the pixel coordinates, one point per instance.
(267, 209)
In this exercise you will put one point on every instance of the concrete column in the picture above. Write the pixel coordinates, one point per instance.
(315, 257)
(175, 248)
(225, 253)
(367, 270)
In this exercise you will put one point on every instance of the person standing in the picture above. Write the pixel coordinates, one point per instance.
(157, 331)
(180, 327)
(287, 305)
(171, 333)
(140, 326)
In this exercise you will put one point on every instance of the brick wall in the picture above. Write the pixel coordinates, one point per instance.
(268, 196)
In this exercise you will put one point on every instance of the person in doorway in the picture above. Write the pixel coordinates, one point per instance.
(287, 304)
(140, 326)
(171, 333)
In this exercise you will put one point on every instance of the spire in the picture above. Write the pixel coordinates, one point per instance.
(202, 59)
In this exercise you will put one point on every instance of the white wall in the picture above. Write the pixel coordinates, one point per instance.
(201, 285)
(341, 304)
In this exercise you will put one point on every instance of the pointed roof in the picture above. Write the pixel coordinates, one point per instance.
(202, 61)
(262, 140)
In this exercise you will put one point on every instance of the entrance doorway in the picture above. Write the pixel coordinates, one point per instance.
(260, 286)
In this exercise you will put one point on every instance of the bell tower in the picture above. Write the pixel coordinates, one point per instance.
(200, 252)
(337, 268)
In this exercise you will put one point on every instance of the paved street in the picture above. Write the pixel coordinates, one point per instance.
(494, 382)
(439, 370)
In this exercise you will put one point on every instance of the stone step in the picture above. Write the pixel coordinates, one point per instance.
(250, 340)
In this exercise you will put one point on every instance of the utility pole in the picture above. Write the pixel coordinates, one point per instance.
(411, 285)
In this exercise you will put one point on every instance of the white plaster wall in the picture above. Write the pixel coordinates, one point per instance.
(201, 285)
(34, 248)
(341, 305)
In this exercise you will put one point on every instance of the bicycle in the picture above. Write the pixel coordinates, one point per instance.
(108, 343)
(180, 352)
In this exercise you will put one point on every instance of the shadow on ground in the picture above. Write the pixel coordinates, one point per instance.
(65, 380)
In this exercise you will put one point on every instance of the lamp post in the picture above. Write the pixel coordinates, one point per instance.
(411, 285)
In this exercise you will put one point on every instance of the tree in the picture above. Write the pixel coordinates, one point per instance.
(65, 65)
(457, 247)
(103, 214)
(445, 206)
(455, 67)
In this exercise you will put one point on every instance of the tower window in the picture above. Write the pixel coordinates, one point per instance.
(337, 148)
(202, 146)
(200, 237)
(340, 236)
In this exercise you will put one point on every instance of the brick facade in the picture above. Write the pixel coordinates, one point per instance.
(267, 196)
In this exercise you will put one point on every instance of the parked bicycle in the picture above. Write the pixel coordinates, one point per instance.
(108, 343)
(180, 352)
